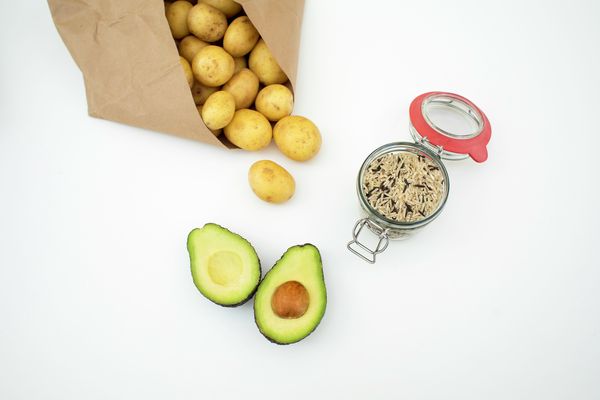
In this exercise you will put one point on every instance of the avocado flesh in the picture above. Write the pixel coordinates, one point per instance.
(301, 264)
(225, 267)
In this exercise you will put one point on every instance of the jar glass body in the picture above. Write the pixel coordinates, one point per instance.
(378, 223)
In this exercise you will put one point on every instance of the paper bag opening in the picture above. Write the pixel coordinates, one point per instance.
(130, 63)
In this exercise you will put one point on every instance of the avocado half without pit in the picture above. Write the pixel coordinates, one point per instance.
(225, 266)
(291, 300)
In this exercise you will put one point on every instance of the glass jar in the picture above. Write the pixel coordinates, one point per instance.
(444, 126)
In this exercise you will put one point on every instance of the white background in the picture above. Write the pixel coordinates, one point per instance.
(497, 299)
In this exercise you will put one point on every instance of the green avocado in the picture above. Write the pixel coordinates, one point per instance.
(291, 299)
(225, 267)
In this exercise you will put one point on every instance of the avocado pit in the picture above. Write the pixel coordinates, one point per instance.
(290, 300)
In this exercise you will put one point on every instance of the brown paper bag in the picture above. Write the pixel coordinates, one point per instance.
(130, 62)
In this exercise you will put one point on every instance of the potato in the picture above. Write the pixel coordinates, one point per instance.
(275, 102)
(297, 137)
(244, 87)
(264, 65)
(240, 64)
(249, 130)
(227, 7)
(218, 110)
(213, 66)
(177, 14)
(271, 182)
(190, 46)
(187, 70)
(200, 92)
(206, 22)
(215, 132)
(240, 37)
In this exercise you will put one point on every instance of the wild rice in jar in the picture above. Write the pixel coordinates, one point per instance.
(403, 186)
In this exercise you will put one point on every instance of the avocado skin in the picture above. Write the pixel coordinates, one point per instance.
(236, 304)
(322, 278)
(259, 267)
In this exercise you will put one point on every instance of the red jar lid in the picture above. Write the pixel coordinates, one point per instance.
(451, 144)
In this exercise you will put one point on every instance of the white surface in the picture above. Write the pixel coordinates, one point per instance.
(497, 299)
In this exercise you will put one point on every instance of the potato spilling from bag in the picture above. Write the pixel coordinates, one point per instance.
(271, 182)
(297, 137)
(187, 70)
(240, 37)
(206, 22)
(219, 109)
(213, 66)
(177, 14)
(244, 88)
(239, 88)
(249, 130)
(190, 46)
(264, 65)
(275, 102)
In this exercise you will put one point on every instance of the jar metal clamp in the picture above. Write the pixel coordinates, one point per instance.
(437, 135)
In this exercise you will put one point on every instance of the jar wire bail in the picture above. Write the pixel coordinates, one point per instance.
(382, 244)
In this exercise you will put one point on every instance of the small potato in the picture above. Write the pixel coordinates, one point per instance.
(240, 37)
(177, 14)
(218, 110)
(244, 87)
(271, 182)
(187, 70)
(227, 7)
(249, 130)
(201, 92)
(206, 22)
(215, 132)
(297, 137)
(190, 46)
(240, 64)
(213, 66)
(264, 65)
(275, 102)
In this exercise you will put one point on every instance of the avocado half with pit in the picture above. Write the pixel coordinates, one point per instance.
(291, 300)
(225, 266)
